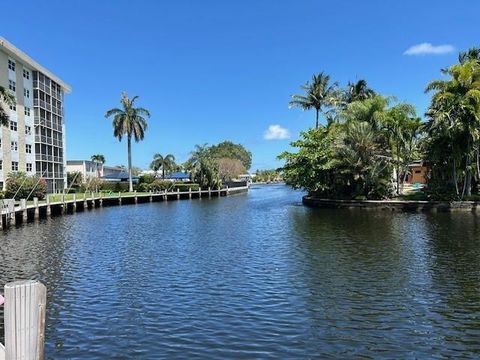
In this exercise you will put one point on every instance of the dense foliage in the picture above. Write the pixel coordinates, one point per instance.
(452, 144)
(365, 147)
(21, 186)
(229, 150)
(363, 151)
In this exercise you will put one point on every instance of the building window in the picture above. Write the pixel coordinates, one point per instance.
(14, 165)
(26, 74)
(13, 107)
(28, 148)
(11, 65)
(29, 167)
(27, 111)
(1, 164)
(13, 125)
(12, 85)
(14, 146)
(28, 130)
(26, 93)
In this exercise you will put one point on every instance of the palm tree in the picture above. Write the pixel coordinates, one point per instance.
(471, 54)
(166, 163)
(98, 159)
(129, 121)
(7, 98)
(320, 95)
(455, 115)
(358, 91)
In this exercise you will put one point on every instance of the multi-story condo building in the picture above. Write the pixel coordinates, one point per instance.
(34, 141)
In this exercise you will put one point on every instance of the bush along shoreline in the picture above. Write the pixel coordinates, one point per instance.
(363, 142)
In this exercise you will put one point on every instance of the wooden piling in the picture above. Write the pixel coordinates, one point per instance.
(150, 197)
(23, 206)
(49, 207)
(178, 194)
(209, 192)
(74, 208)
(136, 198)
(119, 198)
(190, 193)
(36, 215)
(25, 303)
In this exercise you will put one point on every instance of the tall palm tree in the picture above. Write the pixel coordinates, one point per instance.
(129, 121)
(455, 114)
(7, 98)
(320, 95)
(358, 91)
(98, 159)
(166, 163)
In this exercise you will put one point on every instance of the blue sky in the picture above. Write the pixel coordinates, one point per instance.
(216, 70)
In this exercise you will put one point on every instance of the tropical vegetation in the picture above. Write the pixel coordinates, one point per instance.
(365, 146)
(129, 121)
(166, 163)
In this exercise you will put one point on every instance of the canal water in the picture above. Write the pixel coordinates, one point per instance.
(253, 276)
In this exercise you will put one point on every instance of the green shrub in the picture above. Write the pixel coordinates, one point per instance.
(107, 186)
(146, 179)
(21, 186)
(185, 186)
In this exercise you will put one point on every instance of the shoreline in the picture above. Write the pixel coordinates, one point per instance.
(393, 205)
(32, 212)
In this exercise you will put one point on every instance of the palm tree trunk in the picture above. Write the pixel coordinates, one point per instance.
(130, 182)
(316, 121)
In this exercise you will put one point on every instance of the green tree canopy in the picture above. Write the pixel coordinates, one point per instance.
(228, 149)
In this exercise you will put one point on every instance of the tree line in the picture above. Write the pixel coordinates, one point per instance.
(367, 140)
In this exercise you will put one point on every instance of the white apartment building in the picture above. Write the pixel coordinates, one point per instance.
(88, 169)
(34, 141)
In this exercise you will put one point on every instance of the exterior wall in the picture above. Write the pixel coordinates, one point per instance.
(18, 117)
(37, 146)
(87, 168)
(418, 175)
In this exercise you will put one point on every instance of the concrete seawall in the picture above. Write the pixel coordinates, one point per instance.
(81, 202)
(393, 205)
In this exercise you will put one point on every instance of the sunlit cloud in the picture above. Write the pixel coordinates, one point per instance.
(429, 49)
(276, 132)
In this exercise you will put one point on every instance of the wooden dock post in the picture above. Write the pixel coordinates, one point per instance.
(74, 209)
(64, 205)
(25, 303)
(93, 200)
(101, 200)
(190, 193)
(36, 215)
(85, 202)
(49, 208)
(119, 198)
(199, 192)
(150, 197)
(178, 194)
(209, 192)
(228, 191)
(23, 206)
(136, 198)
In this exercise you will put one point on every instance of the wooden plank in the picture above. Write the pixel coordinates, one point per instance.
(25, 303)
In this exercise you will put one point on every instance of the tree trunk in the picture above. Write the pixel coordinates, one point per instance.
(130, 182)
(316, 121)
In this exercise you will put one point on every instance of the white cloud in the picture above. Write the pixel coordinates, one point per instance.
(276, 132)
(429, 49)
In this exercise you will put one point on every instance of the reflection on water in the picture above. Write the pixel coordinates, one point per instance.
(253, 276)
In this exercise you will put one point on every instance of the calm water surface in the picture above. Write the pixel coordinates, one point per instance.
(253, 276)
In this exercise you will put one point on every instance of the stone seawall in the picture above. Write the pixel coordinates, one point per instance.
(393, 205)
